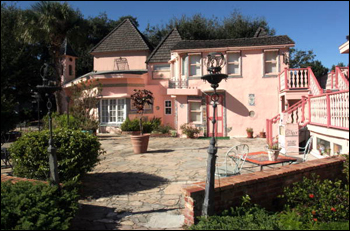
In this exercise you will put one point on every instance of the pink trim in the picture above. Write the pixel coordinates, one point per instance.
(286, 78)
(309, 101)
(314, 79)
(333, 93)
(326, 126)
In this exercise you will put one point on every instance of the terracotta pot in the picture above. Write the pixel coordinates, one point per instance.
(250, 134)
(273, 154)
(140, 143)
(262, 134)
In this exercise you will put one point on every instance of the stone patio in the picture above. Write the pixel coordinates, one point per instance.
(143, 191)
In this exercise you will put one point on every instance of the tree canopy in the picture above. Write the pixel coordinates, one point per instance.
(198, 27)
(303, 59)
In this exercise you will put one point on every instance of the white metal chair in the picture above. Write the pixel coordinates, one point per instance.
(305, 151)
(234, 160)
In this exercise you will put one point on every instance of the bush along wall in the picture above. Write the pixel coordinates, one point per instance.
(77, 154)
(37, 206)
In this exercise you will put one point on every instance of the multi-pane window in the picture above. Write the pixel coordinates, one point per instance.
(271, 62)
(195, 112)
(167, 107)
(113, 111)
(233, 63)
(195, 65)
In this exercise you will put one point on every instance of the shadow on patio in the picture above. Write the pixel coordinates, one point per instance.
(97, 185)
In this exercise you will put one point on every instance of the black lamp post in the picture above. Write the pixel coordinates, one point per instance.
(215, 62)
(49, 87)
(37, 97)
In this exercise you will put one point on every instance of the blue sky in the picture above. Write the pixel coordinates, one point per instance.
(321, 26)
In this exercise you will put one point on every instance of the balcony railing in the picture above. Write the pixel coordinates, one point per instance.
(181, 83)
(299, 79)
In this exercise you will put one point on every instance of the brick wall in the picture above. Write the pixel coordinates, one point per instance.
(263, 187)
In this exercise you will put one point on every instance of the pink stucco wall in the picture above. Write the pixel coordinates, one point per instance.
(106, 61)
(237, 92)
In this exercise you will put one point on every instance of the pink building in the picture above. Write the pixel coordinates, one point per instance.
(260, 86)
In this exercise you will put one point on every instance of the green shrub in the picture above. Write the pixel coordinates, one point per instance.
(134, 125)
(163, 129)
(130, 125)
(332, 226)
(61, 121)
(244, 217)
(316, 200)
(36, 206)
(77, 154)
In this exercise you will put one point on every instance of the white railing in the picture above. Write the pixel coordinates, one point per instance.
(342, 81)
(330, 110)
(299, 79)
(314, 86)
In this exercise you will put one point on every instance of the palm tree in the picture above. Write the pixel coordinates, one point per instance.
(49, 23)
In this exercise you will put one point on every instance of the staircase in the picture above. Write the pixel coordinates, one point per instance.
(321, 107)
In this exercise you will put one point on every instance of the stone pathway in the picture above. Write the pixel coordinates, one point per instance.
(128, 191)
(143, 191)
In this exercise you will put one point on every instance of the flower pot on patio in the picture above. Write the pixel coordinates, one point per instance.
(140, 143)
(273, 154)
(262, 135)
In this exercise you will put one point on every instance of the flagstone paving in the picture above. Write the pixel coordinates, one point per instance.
(143, 191)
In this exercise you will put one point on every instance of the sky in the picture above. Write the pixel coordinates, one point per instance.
(321, 26)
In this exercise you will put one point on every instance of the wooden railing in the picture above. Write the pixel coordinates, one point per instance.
(298, 79)
(178, 83)
(331, 80)
(330, 110)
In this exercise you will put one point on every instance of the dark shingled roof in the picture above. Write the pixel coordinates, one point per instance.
(125, 37)
(241, 42)
(162, 52)
(66, 49)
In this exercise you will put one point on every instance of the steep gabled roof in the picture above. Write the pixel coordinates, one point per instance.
(66, 49)
(125, 37)
(162, 52)
(241, 42)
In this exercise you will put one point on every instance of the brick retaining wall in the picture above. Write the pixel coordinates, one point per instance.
(263, 187)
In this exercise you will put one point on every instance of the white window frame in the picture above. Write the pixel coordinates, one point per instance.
(271, 61)
(167, 107)
(109, 110)
(190, 55)
(195, 111)
(235, 63)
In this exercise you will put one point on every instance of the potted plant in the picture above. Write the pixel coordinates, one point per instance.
(273, 151)
(140, 98)
(262, 134)
(250, 132)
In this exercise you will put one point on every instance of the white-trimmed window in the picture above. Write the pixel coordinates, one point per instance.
(113, 111)
(161, 71)
(168, 107)
(195, 112)
(234, 63)
(271, 62)
(195, 64)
